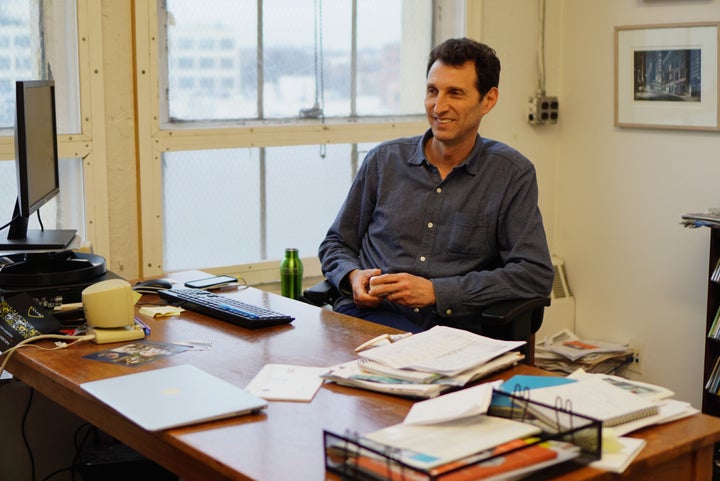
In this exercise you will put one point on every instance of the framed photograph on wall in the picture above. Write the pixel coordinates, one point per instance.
(666, 76)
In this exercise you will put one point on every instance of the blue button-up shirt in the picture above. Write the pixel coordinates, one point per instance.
(477, 235)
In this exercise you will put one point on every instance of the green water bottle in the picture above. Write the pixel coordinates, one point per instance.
(291, 274)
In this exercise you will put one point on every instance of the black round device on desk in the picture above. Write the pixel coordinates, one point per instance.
(35, 269)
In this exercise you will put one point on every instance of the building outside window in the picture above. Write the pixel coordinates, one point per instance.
(298, 91)
(30, 34)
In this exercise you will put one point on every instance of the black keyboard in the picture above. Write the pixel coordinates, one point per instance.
(224, 308)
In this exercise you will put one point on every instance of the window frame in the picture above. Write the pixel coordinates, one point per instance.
(83, 144)
(156, 136)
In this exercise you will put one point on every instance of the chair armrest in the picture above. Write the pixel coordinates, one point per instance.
(321, 293)
(505, 311)
(517, 319)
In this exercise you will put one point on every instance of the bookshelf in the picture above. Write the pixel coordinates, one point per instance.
(711, 373)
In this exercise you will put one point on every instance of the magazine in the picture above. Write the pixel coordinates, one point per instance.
(23, 318)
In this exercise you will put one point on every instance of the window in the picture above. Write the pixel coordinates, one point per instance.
(25, 58)
(259, 141)
(305, 55)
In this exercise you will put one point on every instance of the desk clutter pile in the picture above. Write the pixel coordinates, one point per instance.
(427, 364)
(499, 430)
(564, 353)
(493, 436)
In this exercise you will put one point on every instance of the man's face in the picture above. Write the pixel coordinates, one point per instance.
(453, 104)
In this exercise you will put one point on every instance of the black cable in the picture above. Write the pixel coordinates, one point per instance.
(40, 220)
(79, 445)
(73, 468)
(61, 470)
(24, 434)
(9, 223)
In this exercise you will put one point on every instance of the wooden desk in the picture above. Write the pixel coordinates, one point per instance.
(285, 441)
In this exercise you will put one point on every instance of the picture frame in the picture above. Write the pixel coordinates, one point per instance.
(666, 76)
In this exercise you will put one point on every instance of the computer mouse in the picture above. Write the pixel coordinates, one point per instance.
(151, 286)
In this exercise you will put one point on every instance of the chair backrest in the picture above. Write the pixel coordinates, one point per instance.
(514, 320)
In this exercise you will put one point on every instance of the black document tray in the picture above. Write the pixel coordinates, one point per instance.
(343, 451)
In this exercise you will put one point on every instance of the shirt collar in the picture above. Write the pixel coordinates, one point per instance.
(471, 163)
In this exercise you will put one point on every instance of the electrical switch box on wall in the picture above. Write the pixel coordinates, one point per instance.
(543, 110)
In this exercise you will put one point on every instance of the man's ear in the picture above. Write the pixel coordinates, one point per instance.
(490, 99)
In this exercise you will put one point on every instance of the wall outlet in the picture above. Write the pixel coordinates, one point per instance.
(638, 357)
(543, 110)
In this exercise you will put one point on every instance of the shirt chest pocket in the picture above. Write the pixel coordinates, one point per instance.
(471, 235)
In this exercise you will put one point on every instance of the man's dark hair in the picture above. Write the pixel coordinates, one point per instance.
(457, 51)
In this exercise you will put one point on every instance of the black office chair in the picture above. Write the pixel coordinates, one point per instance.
(513, 320)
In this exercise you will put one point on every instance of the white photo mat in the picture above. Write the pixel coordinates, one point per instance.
(667, 114)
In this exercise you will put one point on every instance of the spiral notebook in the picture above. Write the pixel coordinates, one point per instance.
(597, 399)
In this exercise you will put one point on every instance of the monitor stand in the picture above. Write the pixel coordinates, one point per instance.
(39, 240)
(33, 269)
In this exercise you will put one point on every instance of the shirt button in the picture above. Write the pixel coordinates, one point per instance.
(422, 258)
(416, 309)
(438, 190)
(448, 311)
(430, 225)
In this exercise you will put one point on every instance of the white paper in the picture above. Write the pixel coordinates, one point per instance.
(597, 399)
(284, 382)
(617, 462)
(455, 405)
(670, 410)
(441, 349)
(430, 446)
(646, 390)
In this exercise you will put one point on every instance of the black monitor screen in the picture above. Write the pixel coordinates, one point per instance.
(36, 145)
(37, 166)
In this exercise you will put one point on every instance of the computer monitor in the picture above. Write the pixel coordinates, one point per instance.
(36, 165)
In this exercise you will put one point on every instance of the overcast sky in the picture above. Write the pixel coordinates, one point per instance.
(378, 20)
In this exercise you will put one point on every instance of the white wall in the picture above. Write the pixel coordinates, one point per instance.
(511, 27)
(618, 193)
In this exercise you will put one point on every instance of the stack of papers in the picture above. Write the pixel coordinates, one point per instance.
(430, 446)
(617, 460)
(702, 219)
(441, 435)
(618, 451)
(648, 399)
(565, 352)
(668, 409)
(595, 398)
(426, 364)
(512, 460)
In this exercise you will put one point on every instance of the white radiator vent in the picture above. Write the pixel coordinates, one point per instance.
(561, 312)
(560, 287)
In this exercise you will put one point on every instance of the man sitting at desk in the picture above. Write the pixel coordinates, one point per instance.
(437, 226)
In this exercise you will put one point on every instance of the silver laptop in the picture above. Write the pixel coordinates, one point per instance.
(173, 396)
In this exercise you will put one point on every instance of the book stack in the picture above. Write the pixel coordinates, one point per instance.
(427, 364)
(715, 275)
(712, 385)
(564, 352)
(714, 331)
